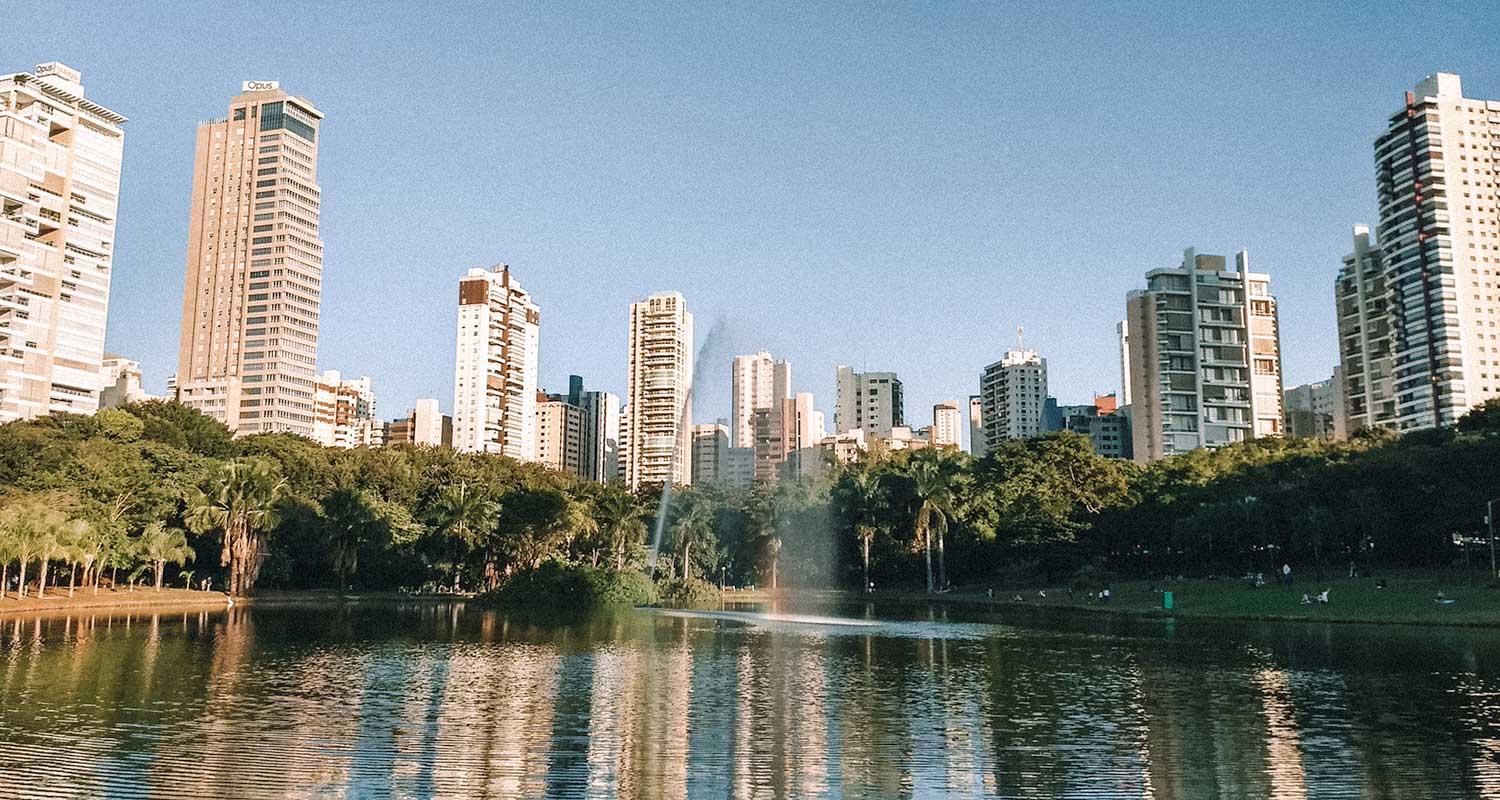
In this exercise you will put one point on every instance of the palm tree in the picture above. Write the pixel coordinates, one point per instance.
(187, 578)
(621, 520)
(7, 555)
(241, 503)
(691, 527)
(28, 521)
(866, 496)
(933, 486)
(158, 545)
(348, 518)
(468, 512)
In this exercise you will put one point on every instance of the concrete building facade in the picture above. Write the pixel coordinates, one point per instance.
(121, 381)
(977, 445)
(1315, 410)
(756, 381)
(601, 436)
(248, 350)
(870, 401)
(1012, 393)
(710, 452)
(1439, 233)
(559, 434)
(1204, 357)
(59, 190)
(947, 424)
(495, 376)
(1367, 389)
(659, 391)
(344, 413)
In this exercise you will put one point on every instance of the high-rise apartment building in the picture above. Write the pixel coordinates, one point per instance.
(495, 375)
(59, 188)
(1107, 429)
(756, 382)
(710, 452)
(1367, 383)
(1012, 392)
(344, 412)
(947, 424)
(249, 345)
(1315, 410)
(601, 436)
(559, 434)
(659, 391)
(1205, 357)
(870, 401)
(977, 445)
(1436, 171)
(787, 437)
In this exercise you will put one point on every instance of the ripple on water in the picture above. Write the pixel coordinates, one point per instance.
(382, 703)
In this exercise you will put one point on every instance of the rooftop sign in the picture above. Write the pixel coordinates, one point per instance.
(259, 86)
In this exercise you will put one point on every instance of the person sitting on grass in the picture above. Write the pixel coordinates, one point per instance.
(1442, 600)
(1323, 598)
(1306, 600)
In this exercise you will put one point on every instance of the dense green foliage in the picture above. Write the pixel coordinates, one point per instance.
(155, 486)
(558, 588)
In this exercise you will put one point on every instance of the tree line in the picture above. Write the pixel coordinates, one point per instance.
(155, 492)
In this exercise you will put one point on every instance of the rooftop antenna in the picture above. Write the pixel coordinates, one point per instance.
(1020, 332)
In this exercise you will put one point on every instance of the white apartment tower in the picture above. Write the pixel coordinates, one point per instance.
(1204, 357)
(248, 349)
(947, 424)
(1012, 393)
(1367, 381)
(659, 391)
(869, 401)
(1437, 167)
(59, 188)
(756, 382)
(495, 375)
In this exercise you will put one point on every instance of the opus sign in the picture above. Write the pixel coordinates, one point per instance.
(259, 86)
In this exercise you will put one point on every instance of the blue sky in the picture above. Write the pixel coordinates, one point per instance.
(892, 186)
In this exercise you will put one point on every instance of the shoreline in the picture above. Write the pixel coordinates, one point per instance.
(1421, 611)
(175, 599)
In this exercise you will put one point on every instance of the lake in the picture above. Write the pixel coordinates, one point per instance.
(441, 700)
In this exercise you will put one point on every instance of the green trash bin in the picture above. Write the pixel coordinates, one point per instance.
(1166, 600)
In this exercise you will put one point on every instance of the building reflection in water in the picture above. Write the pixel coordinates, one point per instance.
(439, 701)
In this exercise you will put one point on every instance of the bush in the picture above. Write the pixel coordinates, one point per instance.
(560, 588)
(688, 593)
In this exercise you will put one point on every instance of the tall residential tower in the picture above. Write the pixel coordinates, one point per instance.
(869, 401)
(59, 188)
(495, 375)
(248, 350)
(756, 381)
(1435, 176)
(658, 400)
(1204, 357)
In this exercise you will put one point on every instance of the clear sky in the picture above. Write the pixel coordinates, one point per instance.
(892, 186)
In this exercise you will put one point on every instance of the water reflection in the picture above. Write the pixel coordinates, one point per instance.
(431, 701)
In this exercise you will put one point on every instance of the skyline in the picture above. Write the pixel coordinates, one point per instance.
(727, 202)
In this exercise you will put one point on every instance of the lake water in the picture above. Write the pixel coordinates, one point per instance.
(439, 700)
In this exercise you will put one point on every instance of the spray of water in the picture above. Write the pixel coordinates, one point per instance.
(709, 348)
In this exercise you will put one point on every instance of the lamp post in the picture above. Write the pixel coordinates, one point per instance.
(1489, 517)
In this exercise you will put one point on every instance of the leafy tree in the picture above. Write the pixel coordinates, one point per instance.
(160, 545)
(241, 503)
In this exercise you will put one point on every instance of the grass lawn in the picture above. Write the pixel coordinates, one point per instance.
(1407, 598)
